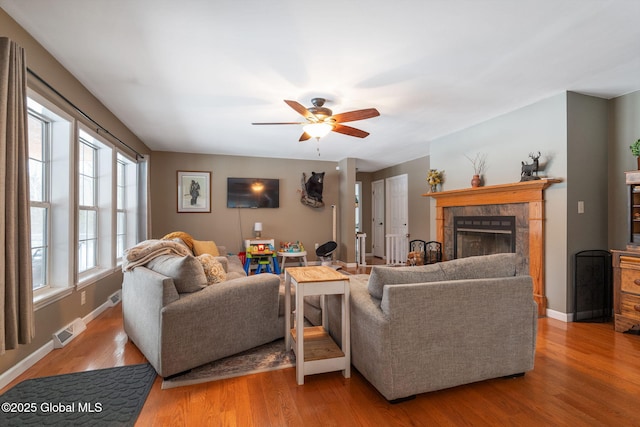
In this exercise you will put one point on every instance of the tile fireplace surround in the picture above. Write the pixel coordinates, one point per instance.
(524, 200)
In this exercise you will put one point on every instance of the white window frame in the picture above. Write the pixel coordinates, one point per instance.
(67, 125)
(60, 217)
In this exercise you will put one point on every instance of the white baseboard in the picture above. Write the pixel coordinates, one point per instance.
(565, 317)
(16, 370)
(19, 368)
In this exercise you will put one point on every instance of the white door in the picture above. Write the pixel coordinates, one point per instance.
(377, 218)
(398, 205)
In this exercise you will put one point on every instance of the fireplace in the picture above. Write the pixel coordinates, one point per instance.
(524, 200)
(483, 235)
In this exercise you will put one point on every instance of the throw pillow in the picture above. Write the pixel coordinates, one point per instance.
(480, 267)
(381, 276)
(187, 272)
(186, 238)
(213, 269)
(205, 247)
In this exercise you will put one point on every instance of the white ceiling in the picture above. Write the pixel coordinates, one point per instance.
(191, 75)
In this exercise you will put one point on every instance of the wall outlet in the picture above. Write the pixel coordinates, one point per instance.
(83, 297)
(580, 206)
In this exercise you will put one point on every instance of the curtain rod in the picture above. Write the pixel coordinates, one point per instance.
(85, 115)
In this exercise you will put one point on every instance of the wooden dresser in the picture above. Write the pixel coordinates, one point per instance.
(626, 290)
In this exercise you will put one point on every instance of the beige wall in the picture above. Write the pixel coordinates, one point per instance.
(292, 221)
(54, 316)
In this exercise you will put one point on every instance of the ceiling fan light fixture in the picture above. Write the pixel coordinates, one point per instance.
(318, 130)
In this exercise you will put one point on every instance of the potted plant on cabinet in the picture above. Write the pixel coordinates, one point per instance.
(635, 150)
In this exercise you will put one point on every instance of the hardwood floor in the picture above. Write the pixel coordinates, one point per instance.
(585, 375)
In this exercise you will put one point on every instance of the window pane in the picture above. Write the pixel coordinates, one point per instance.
(120, 223)
(120, 197)
(120, 246)
(86, 161)
(36, 131)
(38, 227)
(36, 184)
(39, 246)
(87, 224)
(38, 267)
(86, 191)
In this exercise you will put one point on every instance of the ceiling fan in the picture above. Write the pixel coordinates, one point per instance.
(321, 120)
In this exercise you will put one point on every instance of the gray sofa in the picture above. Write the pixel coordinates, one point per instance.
(425, 328)
(179, 331)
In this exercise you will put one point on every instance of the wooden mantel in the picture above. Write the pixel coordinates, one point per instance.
(530, 192)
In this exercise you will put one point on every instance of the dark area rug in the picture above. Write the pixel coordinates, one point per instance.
(268, 357)
(104, 397)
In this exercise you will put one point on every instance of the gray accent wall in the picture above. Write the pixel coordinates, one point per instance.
(624, 130)
(587, 171)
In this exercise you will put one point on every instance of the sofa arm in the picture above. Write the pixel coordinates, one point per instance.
(144, 294)
(370, 334)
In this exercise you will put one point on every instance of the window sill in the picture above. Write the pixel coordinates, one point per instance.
(95, 276)
(51, 295)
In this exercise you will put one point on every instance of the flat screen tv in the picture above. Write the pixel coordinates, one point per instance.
(253, 193)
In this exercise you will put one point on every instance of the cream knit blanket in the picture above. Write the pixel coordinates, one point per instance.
(144, 252)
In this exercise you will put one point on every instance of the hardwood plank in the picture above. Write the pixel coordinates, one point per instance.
(585, 374)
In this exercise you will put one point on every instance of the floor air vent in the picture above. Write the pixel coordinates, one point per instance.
(64, 336)
(115, 298)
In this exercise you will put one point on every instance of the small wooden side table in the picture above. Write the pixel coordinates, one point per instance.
(315, 350)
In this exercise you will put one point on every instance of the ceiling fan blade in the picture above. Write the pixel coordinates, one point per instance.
(281, 123)
(302, 110)
(352, 116)
(304, 137)
(348, 130)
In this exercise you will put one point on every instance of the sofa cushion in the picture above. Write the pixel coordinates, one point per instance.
(205, 247)
(382, 275)
(213, 269)
(480, 267)
(187, 272)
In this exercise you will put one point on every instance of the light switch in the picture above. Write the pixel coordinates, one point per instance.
(580, 206)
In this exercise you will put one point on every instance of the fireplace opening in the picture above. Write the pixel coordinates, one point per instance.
(483, 235)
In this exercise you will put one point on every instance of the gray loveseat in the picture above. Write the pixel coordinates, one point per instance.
(420, 329)
(177, 331)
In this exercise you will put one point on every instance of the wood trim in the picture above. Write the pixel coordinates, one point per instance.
(520, 192)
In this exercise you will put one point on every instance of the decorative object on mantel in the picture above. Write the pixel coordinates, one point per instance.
(435, 178)
(528, 170)
(479, 163)
(635, 150)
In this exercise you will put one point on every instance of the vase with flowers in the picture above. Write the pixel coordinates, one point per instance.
(435, 178)
(479, 163)
(635, 150)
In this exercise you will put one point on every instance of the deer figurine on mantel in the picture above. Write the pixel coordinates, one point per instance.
(528, 170)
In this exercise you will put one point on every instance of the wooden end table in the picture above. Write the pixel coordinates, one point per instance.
(315, 350)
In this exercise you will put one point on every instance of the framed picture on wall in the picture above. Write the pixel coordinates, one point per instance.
(194, 191)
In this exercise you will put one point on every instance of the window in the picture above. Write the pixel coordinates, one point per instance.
(39, 142)
(121, 213)
(88, 207)
(85, 203)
